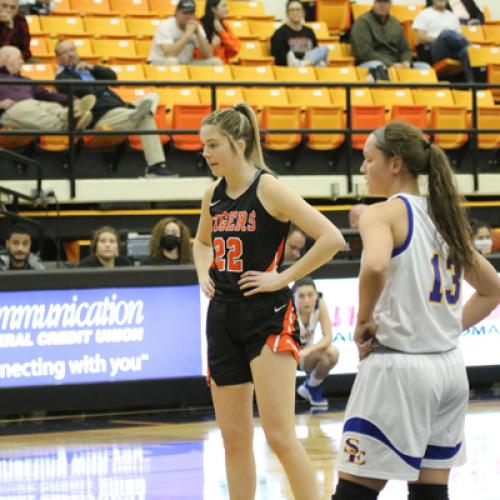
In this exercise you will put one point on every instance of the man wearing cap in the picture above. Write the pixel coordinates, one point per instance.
(177, 37)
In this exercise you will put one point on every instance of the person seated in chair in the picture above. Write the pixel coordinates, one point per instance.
(294, 44)
(378, 39)
(466, 10)
(438, 27)
(19, 257)
(33, 107)
(110, 110)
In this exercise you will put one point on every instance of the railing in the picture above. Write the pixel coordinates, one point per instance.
(348, 131)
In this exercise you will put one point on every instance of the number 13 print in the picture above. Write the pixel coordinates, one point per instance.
(452, 294)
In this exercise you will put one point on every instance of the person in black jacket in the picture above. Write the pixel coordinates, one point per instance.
(294, 44)
(104, 250)
(110, 110)
(466, 10)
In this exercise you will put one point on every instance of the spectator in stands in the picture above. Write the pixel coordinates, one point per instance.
(105, 250)
(294, 44)
(110, 110)
(483, 240)
(14, 28)
(170, 244)
(378, 39)
(466, 10)
(36, 7)
(438, 27)
(29, 106)
(19, 256)
(177, 37)
(294, 244)
(225, 44)
(355, 215)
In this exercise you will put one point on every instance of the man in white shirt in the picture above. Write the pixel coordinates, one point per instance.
(177, 37)
(440, 28)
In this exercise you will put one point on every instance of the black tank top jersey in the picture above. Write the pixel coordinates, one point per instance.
(244, 237)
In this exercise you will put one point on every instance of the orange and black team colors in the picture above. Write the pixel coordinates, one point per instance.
(246, 237)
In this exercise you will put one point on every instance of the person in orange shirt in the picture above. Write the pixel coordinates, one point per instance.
(224, 42)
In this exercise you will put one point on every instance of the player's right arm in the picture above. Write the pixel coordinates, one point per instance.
(202, 245)
(484, 279)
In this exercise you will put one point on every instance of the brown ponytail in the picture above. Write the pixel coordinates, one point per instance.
(421, 157)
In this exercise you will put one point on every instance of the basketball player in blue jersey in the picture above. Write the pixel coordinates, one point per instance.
(405, 416)
(317, 358)
(252, 331)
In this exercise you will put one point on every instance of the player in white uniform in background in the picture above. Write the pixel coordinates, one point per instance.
(316, 358)
(405, 416)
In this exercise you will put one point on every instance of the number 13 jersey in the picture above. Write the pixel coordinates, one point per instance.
(245, 237)
(420, 309)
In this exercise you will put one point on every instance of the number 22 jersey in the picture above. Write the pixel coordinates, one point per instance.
(245, 237)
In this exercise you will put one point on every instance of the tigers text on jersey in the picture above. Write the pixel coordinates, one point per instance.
(244, 237)
(420, 309)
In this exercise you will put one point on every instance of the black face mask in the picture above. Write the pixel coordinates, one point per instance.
(169, 241)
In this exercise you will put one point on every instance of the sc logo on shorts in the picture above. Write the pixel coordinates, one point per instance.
(353, 454)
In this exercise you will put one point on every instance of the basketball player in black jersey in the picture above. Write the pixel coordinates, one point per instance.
(252, 331)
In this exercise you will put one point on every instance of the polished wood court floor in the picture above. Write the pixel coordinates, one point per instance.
(165, 455)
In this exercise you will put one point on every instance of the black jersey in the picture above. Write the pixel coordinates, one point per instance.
(245, 237)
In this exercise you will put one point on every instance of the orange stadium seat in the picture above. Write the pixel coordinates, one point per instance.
(39, 71)
(475, 34)
(172, 72)
(117, 50)
(35, 26)
(391, 97)
(143, 48)
(263, 29)
(482, 56)
(359, 97)
(252, 49)
(178, 95)
(366, 117)
(337, 74)
(188, 116)
(106, 27)
(412, 75)
(413, 114)
(493, 76)
(225, 97)
(92, 7)
(240, 27)
(266, 96)
(336, 14)
(293, 74)
(220, 73)
(39, 47)
(165, 8)
(308, 96)
(318, 117)
(128, 72)
(132, 94)
(142, 27)
(492, 33)
(63, 7)
(253, 73)
(320, 29)
(336, 55)
(247, 9)
(14, 141)
(449, 117)
(274, 117)
(358, 9)
(60, 26)
(433, 97)
(405, 13)
(132, 8)
(488, 117)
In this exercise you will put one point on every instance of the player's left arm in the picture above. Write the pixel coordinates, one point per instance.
(285, 204)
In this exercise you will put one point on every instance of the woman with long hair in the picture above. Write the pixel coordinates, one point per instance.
(170, 243)
(406, 412)
(219, 34)
(252, 332)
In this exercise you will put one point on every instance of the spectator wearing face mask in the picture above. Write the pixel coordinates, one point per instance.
(170, 244)
(483, 240)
